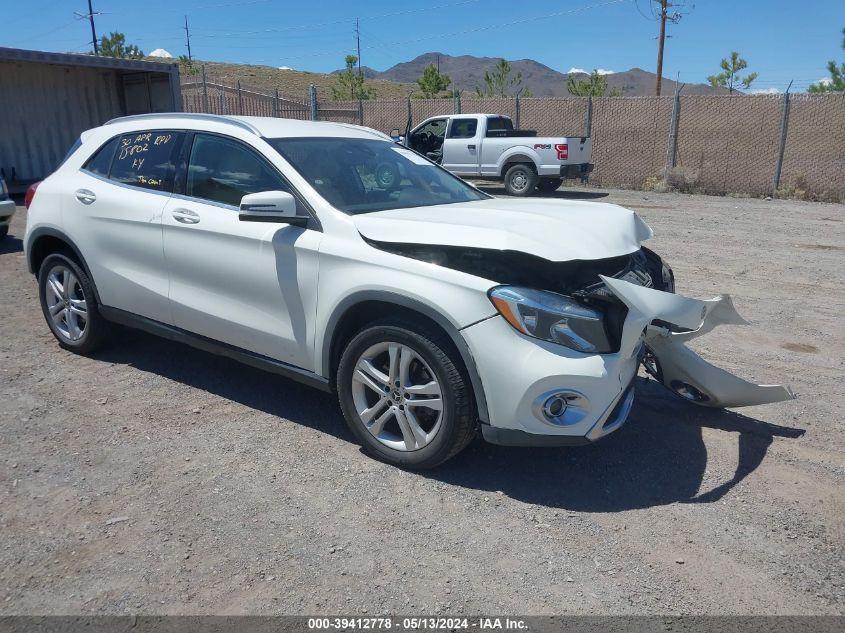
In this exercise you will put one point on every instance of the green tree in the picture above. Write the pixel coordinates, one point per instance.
(729, 77)
(500, 83)
(837, 77)
(432, 83)
(114, 45)
(187, 65)
(350, 85)
(593, 86)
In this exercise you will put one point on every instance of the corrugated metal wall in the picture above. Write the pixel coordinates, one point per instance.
(43, 108)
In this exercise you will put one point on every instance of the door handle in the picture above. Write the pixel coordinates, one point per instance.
(470, 146)
(85, 196)
(185, 216)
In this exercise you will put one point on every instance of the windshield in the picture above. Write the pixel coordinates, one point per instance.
(365, 175)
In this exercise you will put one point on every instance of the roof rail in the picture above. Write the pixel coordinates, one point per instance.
(196, 116)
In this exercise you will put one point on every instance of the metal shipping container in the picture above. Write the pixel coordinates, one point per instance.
(47, 99)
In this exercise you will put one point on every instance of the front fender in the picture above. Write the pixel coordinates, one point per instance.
(676, 366)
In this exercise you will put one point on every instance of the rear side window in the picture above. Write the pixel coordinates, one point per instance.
(463, 128)
(499, 123)
(100, 162)
(147, 159)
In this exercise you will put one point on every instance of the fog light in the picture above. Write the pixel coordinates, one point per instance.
(554, 406)
(688, 392)
(561, 407)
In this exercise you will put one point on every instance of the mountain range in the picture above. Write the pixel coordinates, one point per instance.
(467, 73)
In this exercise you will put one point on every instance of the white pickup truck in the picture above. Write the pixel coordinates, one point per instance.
(487, 146)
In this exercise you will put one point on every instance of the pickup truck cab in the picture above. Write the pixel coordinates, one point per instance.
(487, 146)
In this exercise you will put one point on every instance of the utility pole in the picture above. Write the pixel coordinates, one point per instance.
(188, 38)
(663, 7)
(358, 41)
(90, 17)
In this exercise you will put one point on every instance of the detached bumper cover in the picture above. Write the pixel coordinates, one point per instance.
(677, 367)
(518, 372)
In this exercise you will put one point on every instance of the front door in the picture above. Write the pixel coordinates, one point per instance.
(461, 150)
(428, 139)
(249, 284)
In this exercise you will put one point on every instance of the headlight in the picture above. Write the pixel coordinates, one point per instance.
(552, 317)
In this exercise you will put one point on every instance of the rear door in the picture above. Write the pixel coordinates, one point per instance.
(462, 149)
(249, 284)
(115, 216)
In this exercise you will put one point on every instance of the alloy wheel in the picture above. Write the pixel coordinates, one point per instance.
(397, 396)
(66, 303)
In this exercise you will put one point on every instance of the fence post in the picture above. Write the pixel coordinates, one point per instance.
(360, 111)
(410, 113)
(240, 98)
(312, 94)
(588, 118)
(204, 91)
(784, 128)
(516, 111)
(276, 103)
(223, 101)
(672, 149)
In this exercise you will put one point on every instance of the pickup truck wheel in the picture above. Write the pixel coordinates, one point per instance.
(403, 396)
(520, 180)
(547, 185)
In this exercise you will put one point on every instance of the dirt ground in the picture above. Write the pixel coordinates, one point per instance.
(155, 479)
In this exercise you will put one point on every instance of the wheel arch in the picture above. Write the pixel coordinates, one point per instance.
(518, 156)
(44, 241)
(358, 309)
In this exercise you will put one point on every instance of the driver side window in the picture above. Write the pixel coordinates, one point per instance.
(224, 170)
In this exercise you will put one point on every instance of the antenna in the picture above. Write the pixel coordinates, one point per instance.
(188, 38)
(90, 16)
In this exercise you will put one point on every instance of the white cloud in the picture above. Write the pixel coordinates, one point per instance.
(601, 71)
(160, 52)
(285, 68)
(765, 91)
(824, 80)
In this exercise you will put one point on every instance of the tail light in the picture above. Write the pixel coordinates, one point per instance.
(562, 151)
(30, 194)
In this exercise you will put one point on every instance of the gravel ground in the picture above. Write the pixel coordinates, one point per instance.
(155, 479)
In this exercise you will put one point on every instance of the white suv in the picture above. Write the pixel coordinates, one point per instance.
(333, 256)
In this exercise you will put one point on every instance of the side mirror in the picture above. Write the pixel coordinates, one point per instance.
(271, 206)
(394, 133)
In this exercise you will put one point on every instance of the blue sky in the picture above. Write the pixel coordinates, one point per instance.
(781, 39)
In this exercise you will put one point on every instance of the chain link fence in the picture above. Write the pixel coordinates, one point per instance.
(788, 145)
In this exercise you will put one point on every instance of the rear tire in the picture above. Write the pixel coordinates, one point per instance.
(404, 396)
(520, 180)
(547, 185)
(69, 305)
(4, 231)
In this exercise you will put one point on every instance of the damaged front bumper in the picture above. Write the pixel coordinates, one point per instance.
(543, 394)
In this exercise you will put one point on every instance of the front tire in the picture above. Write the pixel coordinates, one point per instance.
(520, 180)
(403, 395)
(4, 231)
(69, 305)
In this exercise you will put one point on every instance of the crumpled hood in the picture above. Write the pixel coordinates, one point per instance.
(555, 230)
